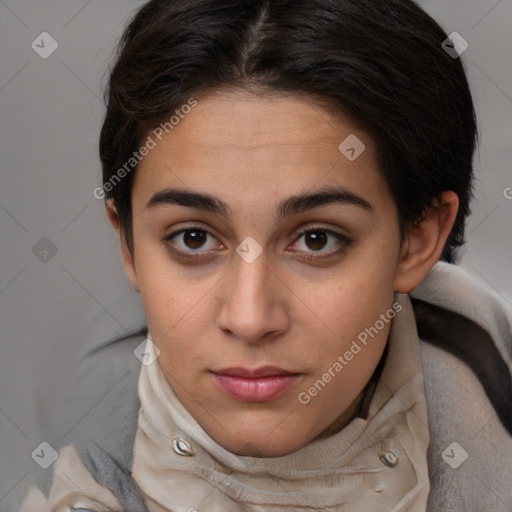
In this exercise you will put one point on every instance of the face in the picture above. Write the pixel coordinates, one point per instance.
(261, 253)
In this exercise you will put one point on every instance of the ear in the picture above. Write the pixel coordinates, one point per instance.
(128, 260)
(425, 242)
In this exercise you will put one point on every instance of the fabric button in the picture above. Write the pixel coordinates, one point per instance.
(389, 458)
(182, 446)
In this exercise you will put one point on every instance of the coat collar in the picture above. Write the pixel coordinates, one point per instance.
(346, 467)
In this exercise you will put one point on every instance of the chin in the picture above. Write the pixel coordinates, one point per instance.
(250, 443)
(261, 448)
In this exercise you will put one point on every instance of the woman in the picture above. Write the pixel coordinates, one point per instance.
(281, 176)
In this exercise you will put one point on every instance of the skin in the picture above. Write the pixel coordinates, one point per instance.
(303, 301)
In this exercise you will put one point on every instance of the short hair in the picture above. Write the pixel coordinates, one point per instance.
(381, 63)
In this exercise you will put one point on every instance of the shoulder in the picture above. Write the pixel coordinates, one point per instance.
(97, 446)
(471, 328)
(451, 288)
(107, 395)
(73, 487)
(466, 345)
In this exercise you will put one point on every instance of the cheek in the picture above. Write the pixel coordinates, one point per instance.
(357, 295)
(350, 314)
(175, 304)
(345, 358)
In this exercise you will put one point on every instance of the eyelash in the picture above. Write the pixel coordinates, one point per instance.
(195, 255)
(342, 240)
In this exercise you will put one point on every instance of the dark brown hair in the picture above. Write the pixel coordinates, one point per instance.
(379, 62)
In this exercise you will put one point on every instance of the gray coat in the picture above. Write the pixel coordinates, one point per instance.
(466, 348)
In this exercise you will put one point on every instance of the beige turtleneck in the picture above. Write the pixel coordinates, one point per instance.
(341, 472)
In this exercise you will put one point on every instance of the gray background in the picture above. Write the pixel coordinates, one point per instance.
(51, 110)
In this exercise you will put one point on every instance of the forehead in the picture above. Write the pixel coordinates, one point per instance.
(234, 142)
(246, 121)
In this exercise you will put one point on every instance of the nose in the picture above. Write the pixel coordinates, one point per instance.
(253, 302)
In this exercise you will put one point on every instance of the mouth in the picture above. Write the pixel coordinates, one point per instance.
(258, 385)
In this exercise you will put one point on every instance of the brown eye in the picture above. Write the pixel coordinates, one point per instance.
(191, 240)
(316, 240)
(319, 242)
(194, 239)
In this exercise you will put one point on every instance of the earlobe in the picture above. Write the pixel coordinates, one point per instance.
(113, 217)
(128, 260)
(425, 242)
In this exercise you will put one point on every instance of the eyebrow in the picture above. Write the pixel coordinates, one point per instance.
(292, 206)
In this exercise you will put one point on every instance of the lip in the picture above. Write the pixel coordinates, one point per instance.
(258, 385)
